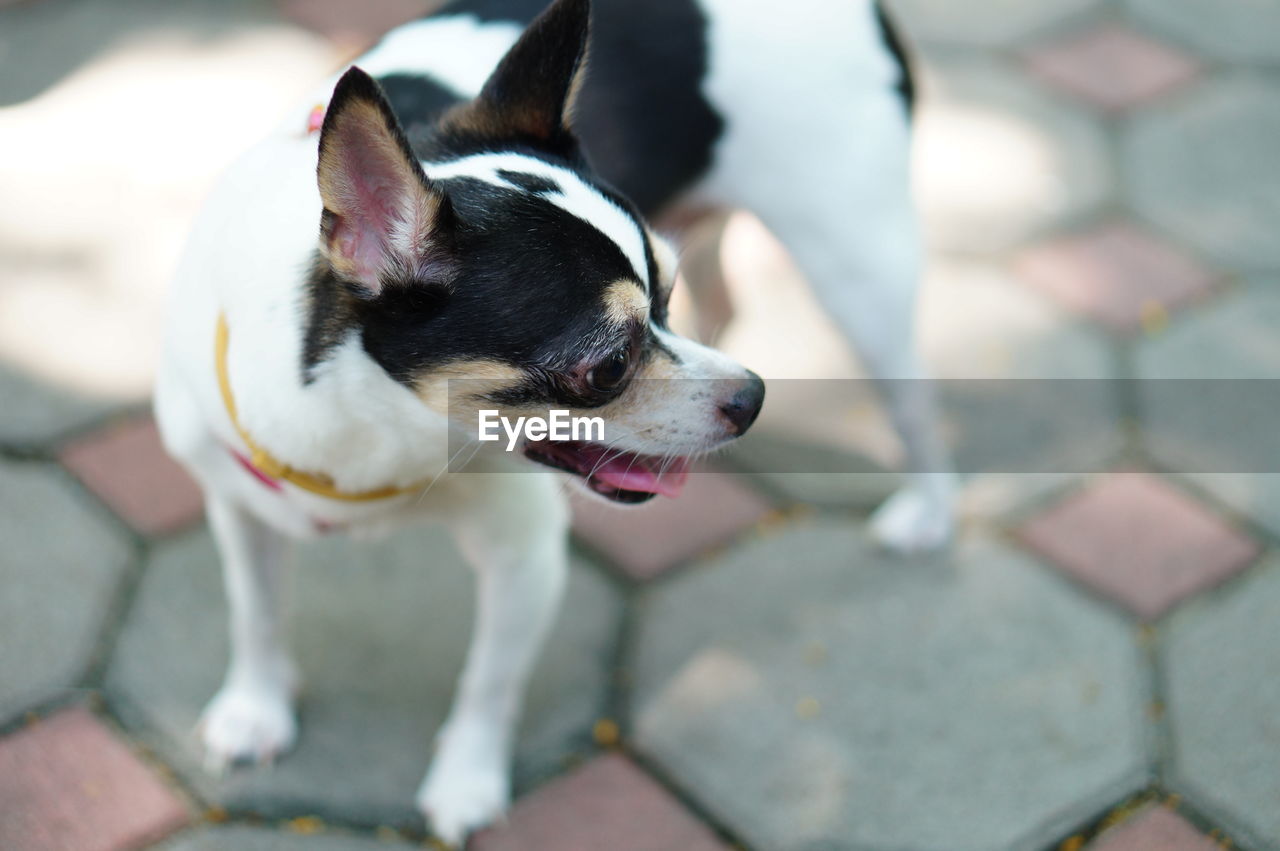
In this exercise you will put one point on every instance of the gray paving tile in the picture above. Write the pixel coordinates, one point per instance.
(237, 838)
(985, 23)
(814, 694)
(1220, 425)
(60, 564)
(1234, 30)
(1204, 167)
(1224, 703)
(1233, 338)
(380, 630)
(36, 413)
(1000, 352)
(1255, 495)
(998, 160)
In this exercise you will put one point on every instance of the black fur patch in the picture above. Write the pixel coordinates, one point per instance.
(528, 182)
(528, 288)
(330, 305)
(893, 40)
(643, 122)
(417, 101)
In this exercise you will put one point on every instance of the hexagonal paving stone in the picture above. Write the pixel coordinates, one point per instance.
(1221, 662)
(815, 694)
(980, 322)
(1140, 541)
(997, 161)
(1205, 169)
(67, 783)
(985, 23)
(981, 328)
(59, 567)
(1209, 401)
(37, 413)
(380, 630)
(1237, 30)
(1112, 67)
(240, 838)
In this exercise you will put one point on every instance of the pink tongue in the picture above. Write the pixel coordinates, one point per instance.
(628, 474)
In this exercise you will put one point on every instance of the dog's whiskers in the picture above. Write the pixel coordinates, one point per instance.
(445, 468)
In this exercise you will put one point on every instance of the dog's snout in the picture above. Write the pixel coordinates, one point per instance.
(744, 405)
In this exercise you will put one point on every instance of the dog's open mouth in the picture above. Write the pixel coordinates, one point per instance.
(620, 476)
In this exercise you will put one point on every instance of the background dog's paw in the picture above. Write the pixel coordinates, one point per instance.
(464, 791)
(246, 725)
(913, 521)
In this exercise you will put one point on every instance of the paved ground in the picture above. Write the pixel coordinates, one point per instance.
(1095, 665)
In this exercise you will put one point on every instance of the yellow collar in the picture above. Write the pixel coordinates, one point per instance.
(318, 484)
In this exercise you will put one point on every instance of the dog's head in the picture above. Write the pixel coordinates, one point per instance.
(502, 274)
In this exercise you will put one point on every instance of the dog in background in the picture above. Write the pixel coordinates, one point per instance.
(473, 214)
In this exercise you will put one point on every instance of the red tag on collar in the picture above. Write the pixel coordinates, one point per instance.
(316, 119)
(255, 472)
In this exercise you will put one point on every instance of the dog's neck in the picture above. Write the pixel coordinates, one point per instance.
(351, 422)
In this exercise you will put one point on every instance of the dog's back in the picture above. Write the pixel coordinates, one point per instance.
(669, 81)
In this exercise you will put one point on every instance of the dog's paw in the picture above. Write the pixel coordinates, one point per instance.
(246, 725)
(466, 789)
(913, 521)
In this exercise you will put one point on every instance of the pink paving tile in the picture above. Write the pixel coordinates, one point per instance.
(1156, 829)
(1135, 538)
(606, 804)
(655, 537)
(1112, 66)
(67, 783)
(1117, 273)
(129, 470)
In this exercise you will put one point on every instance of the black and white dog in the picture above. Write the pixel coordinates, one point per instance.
(474, 207)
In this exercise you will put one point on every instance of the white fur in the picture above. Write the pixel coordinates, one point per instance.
(575, 197)
(457, 51)
(251, 716)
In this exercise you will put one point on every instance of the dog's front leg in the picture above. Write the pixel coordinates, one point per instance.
(517, 545)
(251, 717)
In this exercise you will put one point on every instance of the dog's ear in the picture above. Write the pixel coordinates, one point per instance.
(529, 97)
(383, 220)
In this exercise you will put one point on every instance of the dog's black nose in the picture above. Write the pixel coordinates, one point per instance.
(742, 409)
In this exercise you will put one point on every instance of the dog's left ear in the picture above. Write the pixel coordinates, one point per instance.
(529, 97)
(383, 220)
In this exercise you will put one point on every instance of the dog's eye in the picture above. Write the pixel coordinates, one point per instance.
(610, 372)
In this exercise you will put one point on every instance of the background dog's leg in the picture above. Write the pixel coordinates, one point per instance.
(863, 261)
(516, 541)
(703, 272)
(251, 717)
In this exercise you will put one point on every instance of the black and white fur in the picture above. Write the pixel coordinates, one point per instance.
(480, 213)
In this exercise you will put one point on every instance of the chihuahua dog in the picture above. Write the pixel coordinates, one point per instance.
(460, 227)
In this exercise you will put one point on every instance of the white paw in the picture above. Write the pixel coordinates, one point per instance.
(467, 787)
(247, 724)
(913, 521)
